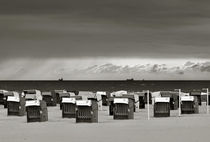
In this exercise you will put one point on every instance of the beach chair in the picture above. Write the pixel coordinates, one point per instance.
(162, 107)
(36, 111)
(174, 99)
(86, 111)
(141, 100)
(69, 106)
(123, 108)
(32, 94)
(189, 105)
(57, 94)
(61, 96)
(132, 98)
(6, 95)
(16, 105)
(2, 97)
(111, 105)
(198, 95)
(49, 98)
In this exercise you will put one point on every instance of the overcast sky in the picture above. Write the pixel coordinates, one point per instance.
(57, 35)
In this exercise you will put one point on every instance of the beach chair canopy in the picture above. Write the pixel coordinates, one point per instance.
(32, 103)
(162, 100)
(64, 94)
(29, 91)
(87, 94)
(195, 93)
(2, 92)
(140, 94)
(32, 94)
(187, 98)
(83, 103)
(119, 93)
(69, 100)
(9, 93)
(13, 99)
(60, 91)
(121, 101)
(101, 93)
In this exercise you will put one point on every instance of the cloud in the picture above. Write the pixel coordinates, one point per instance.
(188, 67)
(117, 69)
(205, 67)
(158, 68)
(188, 63)
(180, 72)
(197, 67)
(104, 28)
(106, 69)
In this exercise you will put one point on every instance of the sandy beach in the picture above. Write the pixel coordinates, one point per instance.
(192, 128)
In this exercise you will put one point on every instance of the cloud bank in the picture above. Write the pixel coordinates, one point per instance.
(91, 70)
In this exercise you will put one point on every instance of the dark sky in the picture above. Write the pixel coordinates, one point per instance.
(104, 39)
(108, 28)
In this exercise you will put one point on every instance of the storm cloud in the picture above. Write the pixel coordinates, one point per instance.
(104, 28)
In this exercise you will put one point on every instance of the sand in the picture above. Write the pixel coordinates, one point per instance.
(192, 128)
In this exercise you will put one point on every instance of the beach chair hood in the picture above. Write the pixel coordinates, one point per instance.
(187, 98)
(33, 103)
(83, 103)
(13, 99)
(120, 100)
(162, 99)
(119, 93)
(69, 100)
